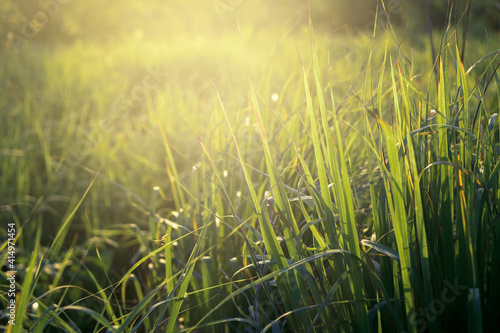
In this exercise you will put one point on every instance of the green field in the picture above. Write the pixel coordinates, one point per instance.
(280, 176)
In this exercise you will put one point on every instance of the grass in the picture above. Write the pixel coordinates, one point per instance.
(364, 197)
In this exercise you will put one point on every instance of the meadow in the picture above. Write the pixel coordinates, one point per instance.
(286, 180)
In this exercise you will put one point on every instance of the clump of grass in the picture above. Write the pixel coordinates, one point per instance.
(373, 209)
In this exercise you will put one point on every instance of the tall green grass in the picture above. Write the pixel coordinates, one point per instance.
(372, 208)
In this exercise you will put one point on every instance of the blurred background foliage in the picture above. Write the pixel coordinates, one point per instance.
(60, 21)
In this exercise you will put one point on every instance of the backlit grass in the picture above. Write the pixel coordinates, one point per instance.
(306, 188)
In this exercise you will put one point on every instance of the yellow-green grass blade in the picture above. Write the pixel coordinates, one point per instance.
(55, 321)
(269, 236)
(350, 238)
(169, 255)
(277, 187)
(464, 221)
(172, 170)
(422, 245)
(469, 223)
(97, 316)
(397, 207)
(184, 282)
(63, 229)
(446, 174)
(293, 286)
(397, 110)
(268, 233)
(380, 216)
(269, 277)
(153, 253)
(318, 153)
(141, 306)
(101, 291)
(33, 271)
(320, 201)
